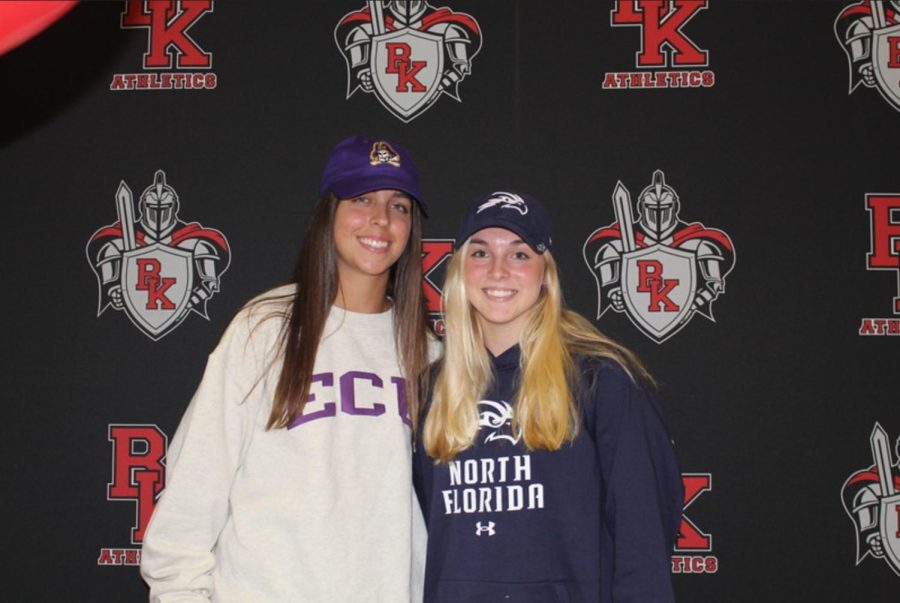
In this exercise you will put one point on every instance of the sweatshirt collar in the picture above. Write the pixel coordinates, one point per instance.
(507, 360)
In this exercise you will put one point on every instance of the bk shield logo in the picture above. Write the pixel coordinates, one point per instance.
(156, 268)
(657, 270)
(869, 32)
(871, 499)
(407, 66)
(658, 286)
(890, 529)
(156, 303)
(886, 63)
(407, 53)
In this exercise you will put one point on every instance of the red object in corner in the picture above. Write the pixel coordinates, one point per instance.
(22, 20)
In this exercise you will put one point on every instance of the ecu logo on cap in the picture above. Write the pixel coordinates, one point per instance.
(383, 153)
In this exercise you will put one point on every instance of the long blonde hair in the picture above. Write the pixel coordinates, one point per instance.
(546, 412)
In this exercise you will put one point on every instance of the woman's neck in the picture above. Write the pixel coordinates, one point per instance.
(366, 296)
(498, 341)
(498, 338)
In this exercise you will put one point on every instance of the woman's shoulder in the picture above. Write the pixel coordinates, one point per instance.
(263, 316)
(598, 369)
(279, 298)
(272, 303)
(610, 387)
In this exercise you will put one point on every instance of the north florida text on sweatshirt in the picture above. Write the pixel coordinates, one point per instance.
(593, 521)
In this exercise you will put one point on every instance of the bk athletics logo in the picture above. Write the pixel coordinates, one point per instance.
(436, 254)
(156, 268)
(174, 59)
(657, 269)
(407, 53)
(884, 254)
(694, 547)
(138, 477)
(667, 57)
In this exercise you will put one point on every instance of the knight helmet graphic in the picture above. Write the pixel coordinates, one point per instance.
(407, 53)
(657, 269)
(871, 498)
(156, 268)
(869, 32)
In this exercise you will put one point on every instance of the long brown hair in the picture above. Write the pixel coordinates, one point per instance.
(316, 278)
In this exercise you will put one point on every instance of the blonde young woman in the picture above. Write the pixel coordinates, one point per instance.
(289, 476)
(544, 469)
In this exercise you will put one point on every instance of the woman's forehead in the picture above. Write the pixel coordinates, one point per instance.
(495, 235)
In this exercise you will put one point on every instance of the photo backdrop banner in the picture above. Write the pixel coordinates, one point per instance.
(726, 202)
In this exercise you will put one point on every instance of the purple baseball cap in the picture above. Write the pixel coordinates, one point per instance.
(359, 165)
(518, 212)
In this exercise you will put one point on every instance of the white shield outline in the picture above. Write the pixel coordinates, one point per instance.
(658, 330)
(180, 266)
(888, 528)
(422, 43)
(888, 78)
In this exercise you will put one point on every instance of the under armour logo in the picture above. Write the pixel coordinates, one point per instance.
(489, 528)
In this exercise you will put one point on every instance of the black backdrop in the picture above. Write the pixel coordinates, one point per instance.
(771, 405)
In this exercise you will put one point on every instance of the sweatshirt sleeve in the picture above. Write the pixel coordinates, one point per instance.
(643, 501)
(177, 559)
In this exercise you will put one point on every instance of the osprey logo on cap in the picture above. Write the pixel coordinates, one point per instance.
(505, 201)
(383, 153)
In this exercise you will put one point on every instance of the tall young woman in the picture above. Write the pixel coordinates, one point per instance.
(289, 476)
(544, 468)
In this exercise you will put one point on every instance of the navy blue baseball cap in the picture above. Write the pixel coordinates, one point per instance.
(359, 165)
(518, 212)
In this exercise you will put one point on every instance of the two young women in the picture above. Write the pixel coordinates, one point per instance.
(543, 466)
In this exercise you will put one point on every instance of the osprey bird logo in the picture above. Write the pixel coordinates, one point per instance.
(505, 201)
(496, 416)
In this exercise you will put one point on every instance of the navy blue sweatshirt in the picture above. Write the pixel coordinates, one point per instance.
(593, 521)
